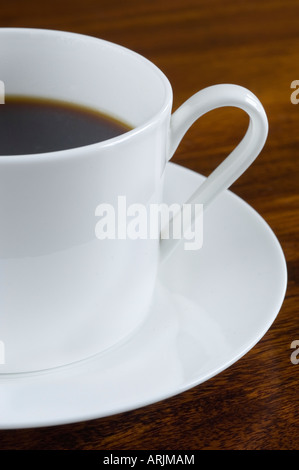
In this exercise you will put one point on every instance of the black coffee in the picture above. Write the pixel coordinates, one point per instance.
(29, 125)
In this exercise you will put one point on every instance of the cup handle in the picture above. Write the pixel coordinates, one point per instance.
(240, 158)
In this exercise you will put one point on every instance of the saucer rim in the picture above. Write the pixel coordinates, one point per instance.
(85, 416)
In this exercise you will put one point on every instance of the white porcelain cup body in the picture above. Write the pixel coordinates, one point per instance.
(65, 295)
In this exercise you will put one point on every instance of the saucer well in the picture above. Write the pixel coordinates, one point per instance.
(228, 294)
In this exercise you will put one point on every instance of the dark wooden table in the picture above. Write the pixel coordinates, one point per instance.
(255, 403)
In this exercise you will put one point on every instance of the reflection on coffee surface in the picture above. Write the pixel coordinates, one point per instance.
(29, 125)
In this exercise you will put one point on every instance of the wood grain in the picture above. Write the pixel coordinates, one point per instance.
(255, 403)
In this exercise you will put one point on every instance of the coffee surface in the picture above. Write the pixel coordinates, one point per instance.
(30, 126)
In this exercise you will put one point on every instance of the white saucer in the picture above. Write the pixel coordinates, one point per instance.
(223, 297)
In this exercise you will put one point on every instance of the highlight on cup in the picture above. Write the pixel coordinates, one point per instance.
(2, 353)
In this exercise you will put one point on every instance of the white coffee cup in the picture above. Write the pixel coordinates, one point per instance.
(65, 295)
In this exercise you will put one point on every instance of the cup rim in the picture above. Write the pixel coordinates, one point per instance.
(59, 154)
